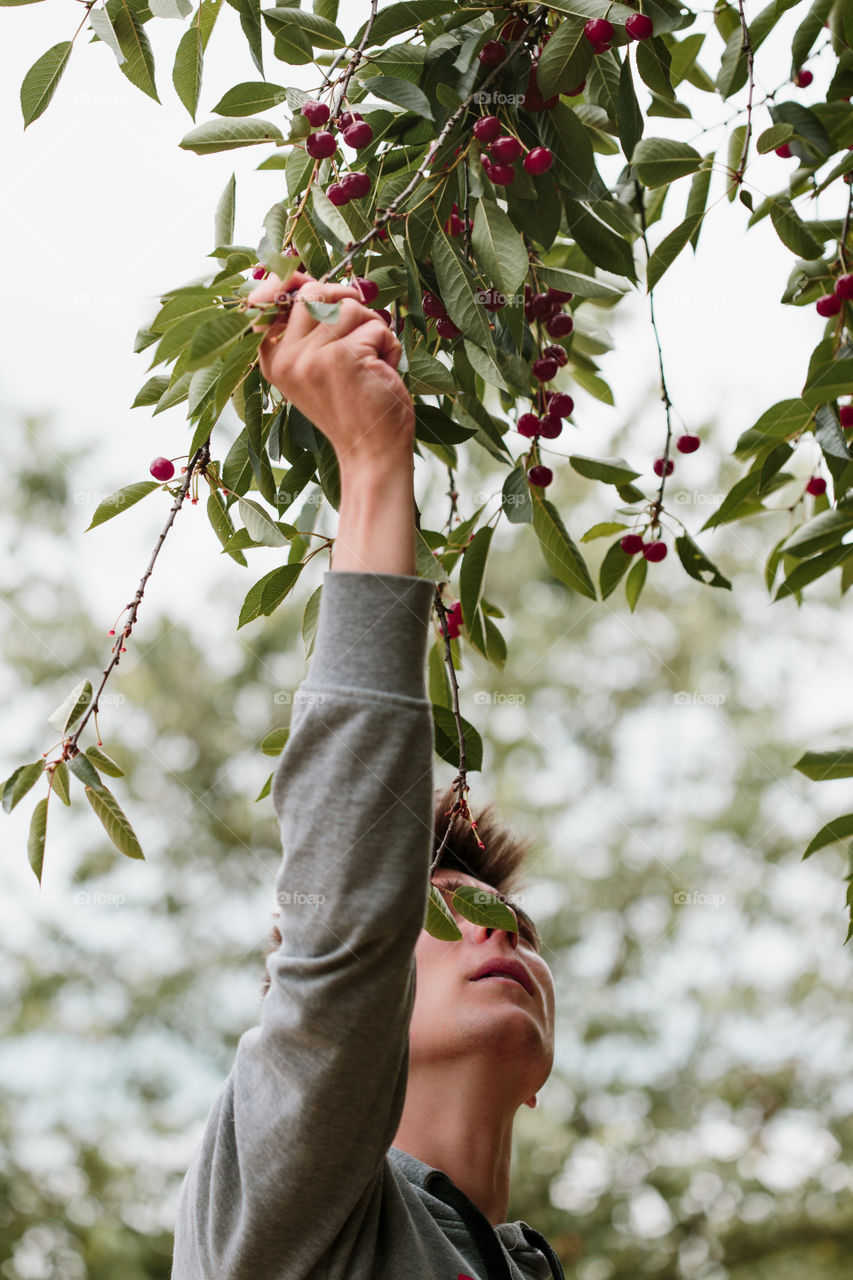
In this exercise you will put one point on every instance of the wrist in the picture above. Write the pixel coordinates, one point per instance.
(376, 518)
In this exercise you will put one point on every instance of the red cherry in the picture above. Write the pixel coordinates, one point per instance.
(355, 184)
(655, 550)
(784, 151)
(492, 299)
(385, 314)
(505, 149)
(816, 486)
(559, 295)
(259, 271)
(369, 289)
(560, 326)
(453, 620)
(803, 79)
(540, 304)
(433, 307)
(540, 476)
(598, 31)
(346, 118)
(631, 543)
(162, 469)
(528, 425)
(545, 368)
(556, 353)
(337, 193)
(445, 328)
(316, 113)
(359, 134)
(845, 413)
(844, 287)
(687, 444)
(454, 225)
(501, 174)
(639, 26)
(829, 305)
(550, 425)
(539, 160)
(601, 48)
(513, 29)
(561, 403)
(487, 128)
(659, 465)
(320, 145)
(492, 53)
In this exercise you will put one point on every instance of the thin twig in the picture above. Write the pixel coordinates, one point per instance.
(747, 49)
(657, 505)
(356, 59)
(199, 459)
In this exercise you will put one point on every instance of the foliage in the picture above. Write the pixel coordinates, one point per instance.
(414, 71)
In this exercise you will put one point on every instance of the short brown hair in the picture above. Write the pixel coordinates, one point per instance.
(498, 864)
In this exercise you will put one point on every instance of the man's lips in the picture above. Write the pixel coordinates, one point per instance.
(504, 968)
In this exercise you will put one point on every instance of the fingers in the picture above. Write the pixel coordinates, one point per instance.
(301, 322)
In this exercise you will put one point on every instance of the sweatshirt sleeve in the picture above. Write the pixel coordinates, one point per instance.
(306, 1117)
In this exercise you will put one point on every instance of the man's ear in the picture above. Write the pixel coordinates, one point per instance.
(532, 1101)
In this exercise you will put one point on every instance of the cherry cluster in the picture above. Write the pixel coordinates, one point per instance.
(503, 149)
(831, 303)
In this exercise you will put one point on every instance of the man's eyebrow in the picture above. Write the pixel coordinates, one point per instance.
(454, 882)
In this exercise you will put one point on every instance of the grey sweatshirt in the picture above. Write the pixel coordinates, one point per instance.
(295, 1177)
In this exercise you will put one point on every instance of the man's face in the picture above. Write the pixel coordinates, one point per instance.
(454, 1013)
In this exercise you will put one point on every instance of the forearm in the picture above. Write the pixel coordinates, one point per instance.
(376, 518)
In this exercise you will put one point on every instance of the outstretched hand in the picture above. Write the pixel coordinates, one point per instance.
(341, 375)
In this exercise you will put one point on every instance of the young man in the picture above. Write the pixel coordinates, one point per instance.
(364, 1132)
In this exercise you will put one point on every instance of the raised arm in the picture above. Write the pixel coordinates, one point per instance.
(290, 1166)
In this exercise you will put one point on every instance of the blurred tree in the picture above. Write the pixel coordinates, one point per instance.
(696, 1124)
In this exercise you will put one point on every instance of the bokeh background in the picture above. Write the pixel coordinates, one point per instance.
(697, 1121)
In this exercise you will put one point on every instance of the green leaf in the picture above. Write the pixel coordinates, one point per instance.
(780, 420)
(99, 21)
(260, 525)
(614, 566)
(575, 282)
(170, 8)
(696, 563)
(273, 743)
(59, 782)
(225, 135)
(653, 64)
(20, 782)
(104, 763)
(810, 570)
(565, 59)
(498, 247)
(773, 137)
(395, 18)
(561, 555)
(114, 822)
(438, 921)
(434, 425)
(83, 769)
(121, 500)
(698, 197)
(670, 247)
(36, 838)
(598, 241)
(402, 93)
(447, 740)
(515, 496)
(483, 908)
(634, 582)
(823, 531)
(826, 766)
(662, 160)
(427, 564)
(838, 829)
(265, 789)
(151, 392)
(211, 339)
(472, 572)
(138, 65)
(71, 708)
(630, 117)
(189, 58)
(267, 594)
(217, 514)
(793, 232)
(287, 20)
(603, 530)
(828, 381)
(310, 618)
(250, 96)
(610, 470)
(40, 82)
(456, 291)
